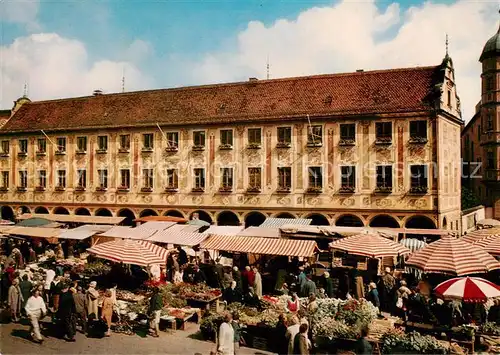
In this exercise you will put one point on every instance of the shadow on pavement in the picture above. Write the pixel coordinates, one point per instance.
(21, 333)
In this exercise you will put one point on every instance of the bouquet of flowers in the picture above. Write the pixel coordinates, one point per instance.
(331, 328)
(356, 312)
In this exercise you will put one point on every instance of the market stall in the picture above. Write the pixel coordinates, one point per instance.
(473, 236)
(128, 251)
(491, 244)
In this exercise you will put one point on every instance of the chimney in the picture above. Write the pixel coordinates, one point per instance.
(252, 79)
(97, 92)
(359, 70)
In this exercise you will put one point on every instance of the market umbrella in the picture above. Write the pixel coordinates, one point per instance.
(413, 244)
(489, 222)
(34, 222)
(478, 234)
(453, 256)
(198, 222)
(129, 251)
(490, 243)
(468, 289)
(370, 245)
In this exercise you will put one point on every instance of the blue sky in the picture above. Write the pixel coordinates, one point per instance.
(171, 43)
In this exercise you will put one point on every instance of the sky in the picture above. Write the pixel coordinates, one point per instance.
(65, 48)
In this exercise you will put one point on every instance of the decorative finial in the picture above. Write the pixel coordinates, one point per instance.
(267, 67)
(25, 91)
(447, 44)
(123, 80)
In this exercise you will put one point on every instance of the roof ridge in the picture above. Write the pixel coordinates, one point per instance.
(238, 83)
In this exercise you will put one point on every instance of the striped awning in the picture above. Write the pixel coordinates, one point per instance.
(369, 245)
(473, 236)
(260, 232)
(490, 243)
(255, 245)
(129, 233)
(413, 244)
(136, 252)
(178, 238)
(224, 230)
(453, 256)
(279, 222)
(157, 226)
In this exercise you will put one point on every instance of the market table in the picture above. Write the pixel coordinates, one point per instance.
(210, 304)
(188, 315)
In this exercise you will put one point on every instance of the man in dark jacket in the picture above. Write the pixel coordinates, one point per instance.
(66, 312)
(199, 276)
(182, 258)
(81, 308)
(328, 285)
(309, 287)
(232, 294)
(25, 286)
(154, 311)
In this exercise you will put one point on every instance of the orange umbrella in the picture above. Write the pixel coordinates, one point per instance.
(490, 243)
(370, 245)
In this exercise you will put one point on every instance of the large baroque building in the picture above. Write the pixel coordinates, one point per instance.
(481, 135)
(379, 148)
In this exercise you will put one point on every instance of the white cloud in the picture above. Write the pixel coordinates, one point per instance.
(20, 11)
(56, 67)
(352, 35)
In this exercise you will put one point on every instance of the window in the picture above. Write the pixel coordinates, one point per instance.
(41, 146)
(489, 83)
(5, 148)
(81, 144)
(284, 179)
(418, 131)
(383, 132)
(384, 178)
(254, 137)
(82, 179)
(42, 179)
(489, 122)
(23, 179)
(315, 136)
(479, 132)
(199, 179)
(226, 183)
(199, 140)
(226, 138)
(124, 179)
(490, 159)
(284, 137)
(348, 178)
(147, 141)
(102, 143)
(448, 97)
(61, 145)
(347, 134)
(315, 179)
(147, 182)
(418, 178)
(124, 142)
(61, 179)
(103, 179)
(5, 180)
(173, 140)
(23, 146)
(172, 179)
(254, 179)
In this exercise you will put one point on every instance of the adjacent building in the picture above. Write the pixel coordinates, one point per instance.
(481, 135)
(379, 148)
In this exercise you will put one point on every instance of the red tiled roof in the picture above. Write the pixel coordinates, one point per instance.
(383, 91)
(4, 116)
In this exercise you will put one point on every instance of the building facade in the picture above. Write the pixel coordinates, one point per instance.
(481, 135)
(377, 148)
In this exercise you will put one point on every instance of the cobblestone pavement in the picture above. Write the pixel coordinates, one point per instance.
(14, 339)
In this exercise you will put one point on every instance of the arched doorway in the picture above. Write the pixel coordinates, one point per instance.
(318, 219)
(445, 223)
(41, 210)
(60, 210)
(285, 215)
(254, 219)
(129, 216)
(228, 218)
(384, 221)
(174, 213)
(25, 209)
(82, 212)
(103, 212)
(7, 213)
(420, 222)
(204, 216)
(349, 220)
(148, 212)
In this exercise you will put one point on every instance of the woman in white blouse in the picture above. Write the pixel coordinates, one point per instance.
(36, 309)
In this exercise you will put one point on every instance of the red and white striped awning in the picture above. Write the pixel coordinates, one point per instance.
(178, 237)
(256, 245)
(468, 289)
(474, 236)
(127, 251)
(370, 245)
(453, 256)
(490, 243)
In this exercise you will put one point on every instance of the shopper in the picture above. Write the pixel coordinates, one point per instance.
(66, 312)
(25, 286)
(15, 300)
(154, 311)
(226, 336)
(257, 282)
(301, 343)
(291, 332)
(363, 346)
(92, 300)
(372, 295)
(36, 310)
(281, 345)
(235, 323)
(81, 308)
